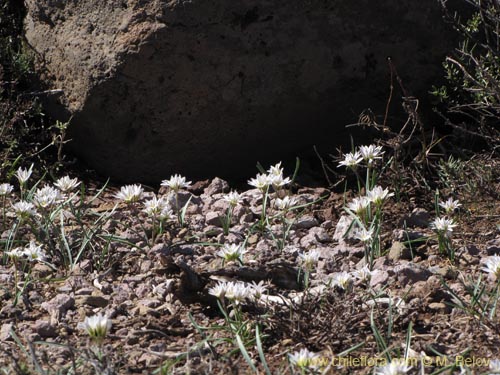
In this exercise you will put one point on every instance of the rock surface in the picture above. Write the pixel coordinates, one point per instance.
(160, 87)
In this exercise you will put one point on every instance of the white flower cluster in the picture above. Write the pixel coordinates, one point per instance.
(368, 154)
(159, 208)
(238, 292)
(32, 252)
(232, 252)
(47, 197)
(274, 178)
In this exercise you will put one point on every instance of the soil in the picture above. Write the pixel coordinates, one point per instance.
(165, 321)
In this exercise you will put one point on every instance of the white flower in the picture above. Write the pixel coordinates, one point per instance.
(5, 189)
(364, 235)
(275, 170)
(309, 259)
(261, 182)
(378, 195)
(66, 184)
(235, 292)
(238, 292)
(23, 175)
(450, 205)
(363, 274)
(285, 203)
(176, 182)
(304, 359)
(443, 225)
(351, 160)
(494, 367)
(233, 198)
(155, 206)
(130, 193)
(342, 280)
(97, 326)
(18, 252)
(34, 252)
(166, 214)
(359, 205)
(232, 252)
(371, 153)
(492, 264)
(46, 197)
(258, 290)
(24, 209)
(278, 181)
(218, 290)
(396, 367)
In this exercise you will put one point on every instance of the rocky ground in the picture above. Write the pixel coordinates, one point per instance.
(104, 255)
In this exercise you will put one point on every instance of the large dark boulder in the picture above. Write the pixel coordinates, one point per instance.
(211, 86)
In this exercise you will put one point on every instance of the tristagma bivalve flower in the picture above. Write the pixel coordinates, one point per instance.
(378, 195)
(450, 205)
(5, 189)
(363, 274)
(155, 206)
(97, 327)
(309, 259)
(359, 205)
(343, 280)
(235, 292)
(351, 160)
(396, 367)
(261, 182)
(176, 183)
(304, 359)
(232, 252)
(371, 153)
(32, 252)
(443, 225)
(284, 204)
(130, 193)
(494, 367)
(492, 264)
(23, 175)
(24, 209)
(47, 197)
(238, 292)
(233, 198)
(66, 184)
(364, 235)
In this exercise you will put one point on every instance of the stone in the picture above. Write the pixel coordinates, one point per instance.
(493, 247)
(5, 331)
(215, 218)
(411, 273)
(58, 306)
(379, 278)
(154, 88)
(345, 230)
(399, 251)
(306, 222)
(217, 186)
(419, 217)
(94, 301)
(44, 329)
